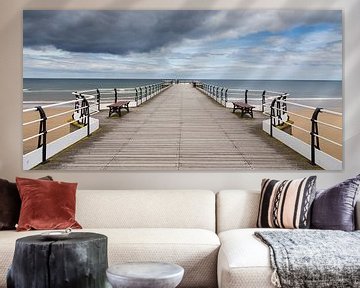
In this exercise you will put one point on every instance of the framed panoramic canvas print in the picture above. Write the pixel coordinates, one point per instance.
(180, 90)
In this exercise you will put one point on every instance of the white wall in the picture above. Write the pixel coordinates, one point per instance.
(11, 97)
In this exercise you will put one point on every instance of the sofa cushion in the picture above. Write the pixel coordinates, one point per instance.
(194, 249)
(46, 204)
(334, 208)
(244, 261)
(236, 209)
(286, 204)
(153, 209)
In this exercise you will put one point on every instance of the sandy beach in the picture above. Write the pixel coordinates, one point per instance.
(324, 130)
(33, 129)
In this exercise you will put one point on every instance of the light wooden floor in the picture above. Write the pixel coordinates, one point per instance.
(179, 129)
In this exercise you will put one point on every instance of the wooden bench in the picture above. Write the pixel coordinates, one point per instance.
(244, 107)
(117, 106)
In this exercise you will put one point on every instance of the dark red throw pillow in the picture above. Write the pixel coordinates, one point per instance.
(46, 204)
(10, 204)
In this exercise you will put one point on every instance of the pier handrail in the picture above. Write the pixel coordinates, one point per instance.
(43, 120)
(274, 104)
(54, 104)
(86, 103)
(138, 94)
(253, 95)
(314, 132)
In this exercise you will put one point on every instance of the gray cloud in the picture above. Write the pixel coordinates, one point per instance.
(123, 32)
(114, 32)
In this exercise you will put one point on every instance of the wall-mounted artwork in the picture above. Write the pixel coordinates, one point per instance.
(181, 90)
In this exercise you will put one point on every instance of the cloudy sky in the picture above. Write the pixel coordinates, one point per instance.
(241, 44)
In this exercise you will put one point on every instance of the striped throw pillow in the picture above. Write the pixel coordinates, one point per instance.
(286, 204)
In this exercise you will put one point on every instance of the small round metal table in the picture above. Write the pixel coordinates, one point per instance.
(145, 275)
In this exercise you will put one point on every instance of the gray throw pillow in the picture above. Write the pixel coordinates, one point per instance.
(334, 208)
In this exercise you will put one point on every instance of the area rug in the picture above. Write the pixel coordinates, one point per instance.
(313, 258)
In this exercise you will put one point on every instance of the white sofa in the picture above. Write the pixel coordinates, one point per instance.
(175, 226)
(243, 261)
(163, 225)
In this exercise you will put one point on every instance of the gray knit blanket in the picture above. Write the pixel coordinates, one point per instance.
(313, 258)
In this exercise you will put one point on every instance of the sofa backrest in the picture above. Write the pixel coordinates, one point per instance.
(146, 209)
(236, 209)
(239, 209)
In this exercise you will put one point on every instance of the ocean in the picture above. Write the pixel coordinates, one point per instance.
(327, 94)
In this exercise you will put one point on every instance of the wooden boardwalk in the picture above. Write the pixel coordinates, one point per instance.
(179, 129)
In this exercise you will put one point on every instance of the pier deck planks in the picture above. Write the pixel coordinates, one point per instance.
(179, 129)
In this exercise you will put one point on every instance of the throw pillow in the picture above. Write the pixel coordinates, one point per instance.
(46, 204)
(10, 204)
(286, 204)
(334, 208)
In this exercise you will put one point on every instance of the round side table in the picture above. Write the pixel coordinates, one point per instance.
(78, 261)
(145, 275)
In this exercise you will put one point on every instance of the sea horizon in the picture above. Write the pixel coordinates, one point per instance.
(311, 92)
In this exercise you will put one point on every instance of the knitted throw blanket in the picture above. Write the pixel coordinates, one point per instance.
(313, 258)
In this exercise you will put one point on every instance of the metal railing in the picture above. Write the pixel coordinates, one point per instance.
(225, 95)
(82, 107)
(140, 94)
(85, 104)
(275, 105)
(281, 114)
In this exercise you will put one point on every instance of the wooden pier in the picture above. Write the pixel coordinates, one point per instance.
(179, 129)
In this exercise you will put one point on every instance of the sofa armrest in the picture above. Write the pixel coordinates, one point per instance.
(357, 215)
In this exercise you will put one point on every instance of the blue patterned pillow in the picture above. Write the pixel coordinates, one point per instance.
(334, 208)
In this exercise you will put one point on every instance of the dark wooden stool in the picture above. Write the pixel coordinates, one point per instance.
(78, 261)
